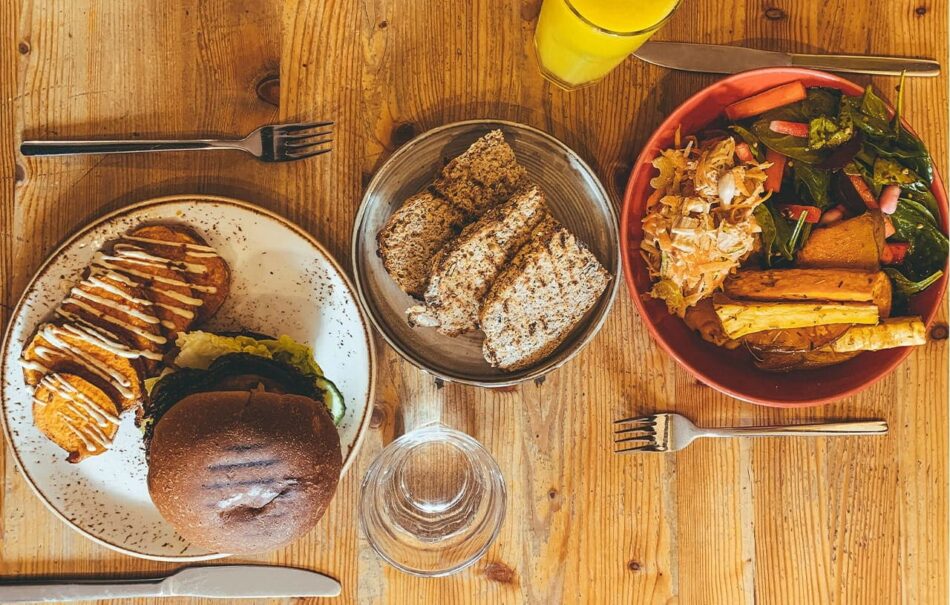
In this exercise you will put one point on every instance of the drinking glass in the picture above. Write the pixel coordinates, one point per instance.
(579, 41)
(432, 502)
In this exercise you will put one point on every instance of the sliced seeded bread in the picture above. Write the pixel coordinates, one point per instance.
(412, 236)
(540, 297)
(486, 175)
(465, 270)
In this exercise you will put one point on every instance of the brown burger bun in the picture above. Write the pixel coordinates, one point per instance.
(244, 471)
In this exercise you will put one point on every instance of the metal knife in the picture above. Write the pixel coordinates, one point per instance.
(215, 582)
(712, 58)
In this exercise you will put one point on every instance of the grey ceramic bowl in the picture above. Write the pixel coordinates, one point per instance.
(575, 197)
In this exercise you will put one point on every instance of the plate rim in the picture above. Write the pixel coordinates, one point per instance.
(125, 210)
(544, 368)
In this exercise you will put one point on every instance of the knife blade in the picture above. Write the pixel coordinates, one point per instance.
(215, 582)
(719, 59)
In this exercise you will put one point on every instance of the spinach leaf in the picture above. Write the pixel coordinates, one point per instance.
(794, 147)
(869, 113)
(816, 181)
(923, 197)
(751, 140)
(889, 172)
(859, 169)
(821, 102)
(907, 288)
(825, 132)
(767, 224)
(928, 250)
(779, 238)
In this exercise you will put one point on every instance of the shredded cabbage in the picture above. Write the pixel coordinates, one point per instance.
(698, 225)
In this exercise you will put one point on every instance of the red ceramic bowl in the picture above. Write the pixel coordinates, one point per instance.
(732, 372)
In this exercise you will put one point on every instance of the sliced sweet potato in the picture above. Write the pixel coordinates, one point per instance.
(83, 351)
(75, 414)
(855, 243)
(119, 306)
(165, 284)
(183, 244)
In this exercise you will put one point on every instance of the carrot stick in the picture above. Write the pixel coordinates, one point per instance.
(773, 173)
(766, 100)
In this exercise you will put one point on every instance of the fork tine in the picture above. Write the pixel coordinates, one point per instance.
(642, 448)
(650, 428)
(306, 140)
(286, 128)
(650, 418)
(650, 439)
(304, 156)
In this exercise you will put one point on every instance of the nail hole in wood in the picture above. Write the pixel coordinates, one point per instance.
(23, 47)
(939, 332)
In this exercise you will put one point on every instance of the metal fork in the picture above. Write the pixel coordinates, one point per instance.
(672, 432)
(273, 143)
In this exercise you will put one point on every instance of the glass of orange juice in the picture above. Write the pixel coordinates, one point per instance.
(579, 41)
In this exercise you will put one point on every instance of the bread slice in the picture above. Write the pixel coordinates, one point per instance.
(463, 271)
(96, 356)
(75, 414)
(533, 306)
(412, 236)
(205, 271)
(484, 176)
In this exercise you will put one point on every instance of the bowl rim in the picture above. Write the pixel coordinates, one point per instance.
(547, 365)
(643, 162)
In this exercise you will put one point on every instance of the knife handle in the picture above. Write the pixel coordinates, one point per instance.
(864, 64)
(50, 592)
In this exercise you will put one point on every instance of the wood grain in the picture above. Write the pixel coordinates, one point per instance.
(844, 520)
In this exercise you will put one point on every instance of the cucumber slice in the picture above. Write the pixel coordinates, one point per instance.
(332, 398)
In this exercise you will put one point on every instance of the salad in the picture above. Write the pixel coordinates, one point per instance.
(834, 156)
(798, 226)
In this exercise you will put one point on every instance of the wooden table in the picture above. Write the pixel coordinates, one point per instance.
(847, 520)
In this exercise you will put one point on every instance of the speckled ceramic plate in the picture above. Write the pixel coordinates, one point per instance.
(574, 196)
(283, 281)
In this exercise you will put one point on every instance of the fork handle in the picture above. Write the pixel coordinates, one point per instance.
(861, 427)
(31, 148)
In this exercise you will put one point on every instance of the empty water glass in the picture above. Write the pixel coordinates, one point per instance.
(432, 502)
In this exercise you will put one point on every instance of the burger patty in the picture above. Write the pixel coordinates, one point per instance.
(231, 372)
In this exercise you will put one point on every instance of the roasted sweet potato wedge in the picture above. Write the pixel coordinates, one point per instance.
(786, 362)
(75, 414)
(795, 340)
(97, 357)
(855, 243)
(208, 273)
(113, 303)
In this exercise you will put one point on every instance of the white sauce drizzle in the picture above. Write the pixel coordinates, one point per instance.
(53, 335)
(196, 250)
